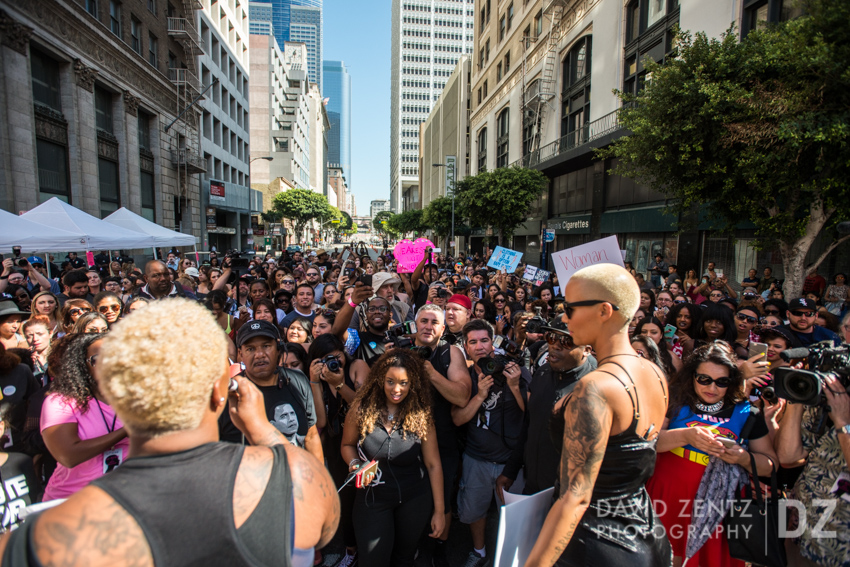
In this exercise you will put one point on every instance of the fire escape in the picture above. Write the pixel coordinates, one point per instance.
(538, 94)
(189, 89)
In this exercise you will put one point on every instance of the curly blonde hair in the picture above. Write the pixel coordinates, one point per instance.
(157, 366)
(414, 411)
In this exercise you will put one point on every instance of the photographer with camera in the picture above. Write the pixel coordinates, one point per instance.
(425, 274)
(823, 449)
(445, 366)
(493, 419)
(33, 272)
(535, 454)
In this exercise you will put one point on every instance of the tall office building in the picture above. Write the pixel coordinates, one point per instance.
(428, 39)
(293, 20)
(338, 92)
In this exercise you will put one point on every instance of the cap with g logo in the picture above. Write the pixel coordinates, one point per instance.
(256, 329)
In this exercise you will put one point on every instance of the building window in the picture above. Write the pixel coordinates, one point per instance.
(153, 48)
(479, 95)
(136, 35)
(45, 81)
(148, 196)
(655, 44)
(482, 149)
(115, 17)
(499, 72)
(483, 18)
(758, 14)
(52, 171)
(507, 62)
(575, 91)
(109, 194)
(144, 128)
(510, 16)
(503, 27)
(91, 7)
(103, 109)
(481, 58)
(538, 24)
(487, 51)
(502, 138)
(152, 6)
(641, 15)
(485, 89)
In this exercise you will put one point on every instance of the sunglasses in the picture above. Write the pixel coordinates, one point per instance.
(679, 301)
(498, 301)
(78, 311)
(105, 308)
(288, 282)
(559, 338)
(706, 380)
(804, 314)
(771, 311)
(747, 318)
(569, 307)
(312, 275)
(283, 300)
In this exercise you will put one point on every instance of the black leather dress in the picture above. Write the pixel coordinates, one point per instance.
(619, 527)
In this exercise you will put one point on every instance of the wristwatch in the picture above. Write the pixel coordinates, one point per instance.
(341, 384)
(845, 429)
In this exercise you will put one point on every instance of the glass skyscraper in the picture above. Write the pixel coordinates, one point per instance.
(338, 90)
(298, 20)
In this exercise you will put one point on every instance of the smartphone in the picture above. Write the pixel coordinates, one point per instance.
(371, 467)
(757, 348)
(350, 274)
(366, 279)
(670, 333)
(726, 441)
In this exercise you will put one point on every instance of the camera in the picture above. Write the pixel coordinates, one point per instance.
(332, 363)
(443, 293)
(806, 386)
(23, 263)
(494, 366)
(422, 352)
(536, 323)
(512, 350)
(406, 328)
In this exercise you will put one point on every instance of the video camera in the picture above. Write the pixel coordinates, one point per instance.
(536, 323)
(397, 335)
(806, 386)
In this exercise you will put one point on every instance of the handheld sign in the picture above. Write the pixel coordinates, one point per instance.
(541, 277)
(504, 259)
(569, 261)
(528, 276)
(409, 254)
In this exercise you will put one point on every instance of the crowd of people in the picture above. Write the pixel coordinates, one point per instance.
(420, 397)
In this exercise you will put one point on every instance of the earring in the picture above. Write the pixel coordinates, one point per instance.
(221, 400)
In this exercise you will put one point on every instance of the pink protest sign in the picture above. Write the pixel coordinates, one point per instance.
(90, 258)
(409, 254)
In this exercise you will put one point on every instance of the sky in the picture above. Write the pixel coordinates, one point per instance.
(358, 33)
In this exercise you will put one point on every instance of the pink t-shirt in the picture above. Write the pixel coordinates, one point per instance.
(96, 422)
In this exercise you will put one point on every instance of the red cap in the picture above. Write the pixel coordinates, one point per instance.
(461, 300)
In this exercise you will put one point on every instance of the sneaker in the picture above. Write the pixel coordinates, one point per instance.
(475, 560)
(438, 557)
(348, 560)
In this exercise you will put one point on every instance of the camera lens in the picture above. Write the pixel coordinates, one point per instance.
(22, 263)
(803, 386)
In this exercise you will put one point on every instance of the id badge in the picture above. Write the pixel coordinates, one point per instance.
(112, 459)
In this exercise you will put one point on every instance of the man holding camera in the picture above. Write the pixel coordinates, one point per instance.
(259, 349)
(34, 279)
(825, 454)
(446, 368)
(566, 364)
(493, 418)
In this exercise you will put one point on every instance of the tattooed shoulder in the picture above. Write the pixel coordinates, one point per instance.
(90, 529)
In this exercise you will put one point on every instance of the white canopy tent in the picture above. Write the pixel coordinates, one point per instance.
(161, 235)
(34, 237)
(94, 234)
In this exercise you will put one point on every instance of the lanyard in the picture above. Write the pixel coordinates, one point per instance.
(102, 415)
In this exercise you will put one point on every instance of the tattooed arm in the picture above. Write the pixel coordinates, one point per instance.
(588, 425)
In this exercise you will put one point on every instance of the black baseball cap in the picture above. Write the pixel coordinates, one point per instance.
(802, 303)
(255, 328)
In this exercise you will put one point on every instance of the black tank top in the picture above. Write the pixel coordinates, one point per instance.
(184, 504)
(629, 458)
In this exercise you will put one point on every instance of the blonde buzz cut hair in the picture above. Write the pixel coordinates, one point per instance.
(611, 283)
(157, 366)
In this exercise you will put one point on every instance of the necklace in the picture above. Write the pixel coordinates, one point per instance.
(713, 408)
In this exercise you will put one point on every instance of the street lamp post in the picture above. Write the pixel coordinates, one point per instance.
(267, 158)
(454, 246)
